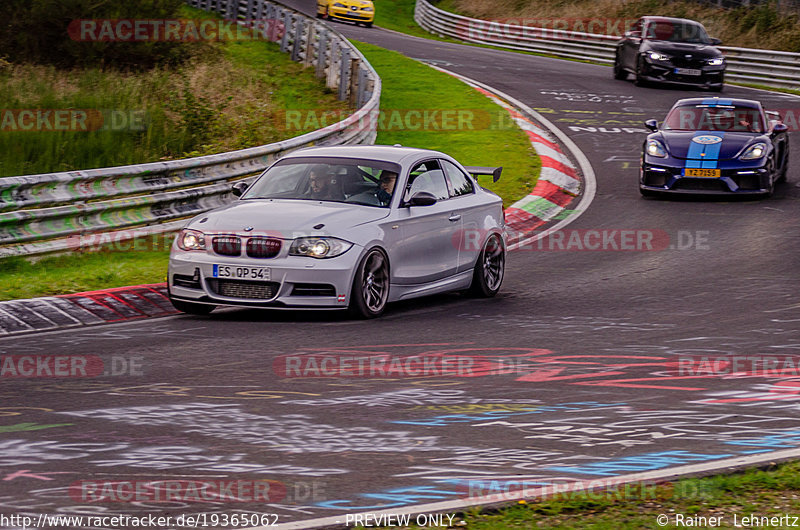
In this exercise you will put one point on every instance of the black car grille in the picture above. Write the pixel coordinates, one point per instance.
(682, 62)
(313, 289)
(227, 246)
(262, 247)
(242, 289)
(709, 184)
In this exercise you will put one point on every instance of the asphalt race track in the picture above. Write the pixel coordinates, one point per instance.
(590, 364)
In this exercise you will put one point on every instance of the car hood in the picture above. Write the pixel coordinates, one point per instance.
(286, 218)
(680, 144)
(698, 51)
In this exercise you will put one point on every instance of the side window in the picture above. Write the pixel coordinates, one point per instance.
(459, 182)
(428, 176)
(637, 26)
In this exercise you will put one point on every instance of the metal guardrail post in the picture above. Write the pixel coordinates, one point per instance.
(298, 39)
(287, 29)
(344, 65)
(332, 65)
(362, 88)
(322, 54)
(311, 38)
(355, 67)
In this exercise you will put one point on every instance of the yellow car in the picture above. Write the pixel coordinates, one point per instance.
(358, 11)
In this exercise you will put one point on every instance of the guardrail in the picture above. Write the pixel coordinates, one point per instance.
(54, 212)
(745, 65)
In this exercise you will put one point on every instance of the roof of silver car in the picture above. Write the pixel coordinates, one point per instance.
(388, 153)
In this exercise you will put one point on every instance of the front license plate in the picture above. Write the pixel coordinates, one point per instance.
(701, 172)
(688, 71)
(241, 273)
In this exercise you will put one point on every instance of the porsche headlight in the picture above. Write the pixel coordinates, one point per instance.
(191, 240)
(656, 148)
(716, 61)
(754, 152)
(319, 247)
(339, 4)
(655, 56)
(367, 9)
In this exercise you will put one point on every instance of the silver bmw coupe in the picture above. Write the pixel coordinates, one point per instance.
(347, 227)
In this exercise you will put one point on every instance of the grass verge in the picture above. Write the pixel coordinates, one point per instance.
(685, 503)
(407, 86)
(76, 272)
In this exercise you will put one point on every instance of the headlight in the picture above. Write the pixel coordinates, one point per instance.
(319, 247)
(655, 148)
(754, 151)
(658, 56)
(339, 4)
(366, 9)
(191, 240)
(716, 62)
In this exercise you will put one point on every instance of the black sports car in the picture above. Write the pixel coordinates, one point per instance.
(670, 50)
(715, 145)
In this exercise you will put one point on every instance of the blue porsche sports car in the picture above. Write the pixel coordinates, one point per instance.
(715, 145)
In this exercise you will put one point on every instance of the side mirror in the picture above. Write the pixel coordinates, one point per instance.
(633, 34)
(652, 125)
(422, 198)
(239, 188)
(779, 128)
(715, 41)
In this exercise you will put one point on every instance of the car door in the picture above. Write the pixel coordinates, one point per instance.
(464, 202)
(427, 249)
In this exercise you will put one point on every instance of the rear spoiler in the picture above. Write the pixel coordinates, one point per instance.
(480, 170)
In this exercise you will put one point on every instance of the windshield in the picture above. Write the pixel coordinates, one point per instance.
(716, 118)
(329, 180)
(689, 32)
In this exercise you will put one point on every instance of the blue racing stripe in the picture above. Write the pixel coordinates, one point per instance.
(714, 102)
(695, 149)
(712, 153)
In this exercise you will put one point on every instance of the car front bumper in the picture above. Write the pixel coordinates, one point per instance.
(710, 76)
(345, 13)
(744, 180)
(294, 281)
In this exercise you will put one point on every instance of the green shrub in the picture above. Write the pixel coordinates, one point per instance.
(38, 31)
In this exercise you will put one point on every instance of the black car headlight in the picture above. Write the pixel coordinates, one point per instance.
(754, 152)
(189, 239)
(717, 61)
(319, 247)
(655, 148)
(657, 56)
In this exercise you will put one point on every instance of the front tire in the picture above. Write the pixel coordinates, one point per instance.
(490, 268)
(191, 308)
(639, 79)
(371, 285)
(619, 71)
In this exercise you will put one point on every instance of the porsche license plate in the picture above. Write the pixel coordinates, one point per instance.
(701, 172)
(688, 71)
(241, 273)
